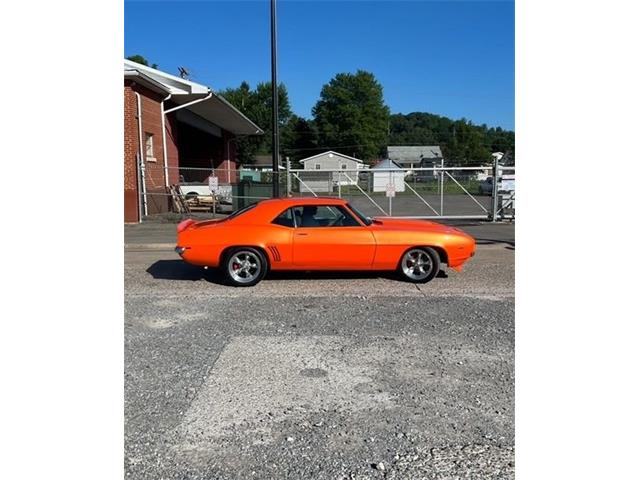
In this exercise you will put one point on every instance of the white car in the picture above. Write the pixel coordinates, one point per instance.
(199, 196)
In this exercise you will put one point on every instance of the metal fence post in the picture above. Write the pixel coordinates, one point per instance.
(442, 187)
(494, 191)
(288, 173)
(139, 185)
(143, 184)
(390, 197)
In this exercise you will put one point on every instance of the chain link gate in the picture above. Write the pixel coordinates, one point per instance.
(429, 193)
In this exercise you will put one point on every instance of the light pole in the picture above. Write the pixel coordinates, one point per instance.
(275, 146)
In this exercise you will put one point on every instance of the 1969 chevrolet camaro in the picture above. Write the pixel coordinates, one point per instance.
(319, 234)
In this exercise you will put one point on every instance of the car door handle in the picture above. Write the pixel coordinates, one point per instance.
(302, 234)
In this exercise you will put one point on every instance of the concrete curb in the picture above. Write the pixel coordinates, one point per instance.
(150, 246)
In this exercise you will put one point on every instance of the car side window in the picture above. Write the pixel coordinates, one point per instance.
(285, 218)
(324, 216)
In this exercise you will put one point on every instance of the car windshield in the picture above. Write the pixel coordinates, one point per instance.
(363, 218)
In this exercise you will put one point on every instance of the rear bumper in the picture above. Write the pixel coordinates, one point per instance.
(197, 255)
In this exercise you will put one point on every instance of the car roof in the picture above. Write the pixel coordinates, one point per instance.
(267, 210)
(292, 201)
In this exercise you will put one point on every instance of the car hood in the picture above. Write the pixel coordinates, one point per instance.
(414, 224)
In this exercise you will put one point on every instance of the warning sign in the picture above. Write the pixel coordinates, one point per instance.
(391, 189)
(213, 184)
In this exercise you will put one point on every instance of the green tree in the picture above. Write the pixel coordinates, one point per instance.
(299, 139)
(142, 60)
(256, 105)
(351, 116)
(467, 144)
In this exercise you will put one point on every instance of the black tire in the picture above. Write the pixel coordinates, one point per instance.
(413, 272)
(244, 266)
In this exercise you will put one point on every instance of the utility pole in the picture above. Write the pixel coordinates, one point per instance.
(275, 144)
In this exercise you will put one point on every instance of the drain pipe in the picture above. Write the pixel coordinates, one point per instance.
(228, 159)
(164, 131)
(164, 141)
(141, 156)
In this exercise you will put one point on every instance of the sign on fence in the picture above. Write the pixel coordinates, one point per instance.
(213, 184)
(391, 189)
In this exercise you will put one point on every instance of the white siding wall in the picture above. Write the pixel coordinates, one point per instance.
(381, 179)
(329, 161)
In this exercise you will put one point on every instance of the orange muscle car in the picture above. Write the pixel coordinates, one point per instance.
(319, 234)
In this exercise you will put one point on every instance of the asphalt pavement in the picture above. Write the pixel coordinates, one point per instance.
(328, 375)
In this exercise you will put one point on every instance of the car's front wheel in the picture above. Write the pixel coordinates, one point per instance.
(244, 266)
(419, 265)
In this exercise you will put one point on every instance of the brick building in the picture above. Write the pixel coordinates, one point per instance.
(175, 130)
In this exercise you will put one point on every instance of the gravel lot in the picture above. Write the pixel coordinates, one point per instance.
(319, 376)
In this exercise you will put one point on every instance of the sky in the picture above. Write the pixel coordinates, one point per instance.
(453, 58)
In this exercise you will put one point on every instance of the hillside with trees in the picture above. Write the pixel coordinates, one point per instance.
(461, 141)
(351, 117)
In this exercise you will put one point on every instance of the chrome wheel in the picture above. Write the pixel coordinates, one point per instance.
(416, 264)
(244, 266)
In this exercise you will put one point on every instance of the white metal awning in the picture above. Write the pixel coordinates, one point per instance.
(219, 112)
(214, 109)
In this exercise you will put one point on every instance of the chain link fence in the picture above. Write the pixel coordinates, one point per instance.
(431, 193)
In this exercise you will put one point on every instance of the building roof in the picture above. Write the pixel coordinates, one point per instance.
(386, 164)
(414, 154)
(347, 157)
(146, 80)
(213, 108)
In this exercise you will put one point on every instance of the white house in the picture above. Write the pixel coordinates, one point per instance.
(326, 170)
(387, 172)
(331, 161)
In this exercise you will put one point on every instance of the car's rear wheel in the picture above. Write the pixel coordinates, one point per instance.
(244, 266)
(419, 265)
